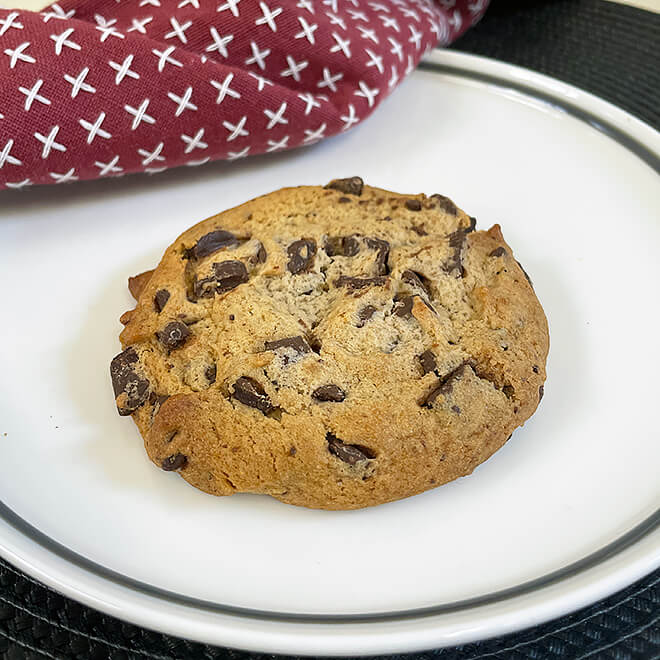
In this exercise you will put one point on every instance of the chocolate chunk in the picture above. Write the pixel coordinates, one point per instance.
(343, 246)
(136, 284)
(212, 242)
(403, 306)
(382, 253)
(418, 280)
(259, 256)
(249, 392)
(204, 288)
(158, 399)
(160, 299)
(173, 335)
(472, 226)
(427, 360)
(359, 282)
(444, 386)
(445, 204)
(350, 245)
(211, 373)
(314, 342)
(497, 252)
(455, 263)
(457, 410)
(365, 314)
(413, 205)
(344, 200)
(301, 255)
(508, 391)
(127, 382)
(329, 393)
(541, 392)
(351, 186)
(174, 462)
(535, 369)
(419, 230)
(298, 344)
(229, 274)
(527, 277)
(351, 454)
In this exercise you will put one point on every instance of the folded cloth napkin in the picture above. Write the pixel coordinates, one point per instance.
(99, 88)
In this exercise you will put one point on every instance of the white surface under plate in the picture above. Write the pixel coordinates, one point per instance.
(564, 514)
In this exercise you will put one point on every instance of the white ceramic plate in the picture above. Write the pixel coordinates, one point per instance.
(564, 514)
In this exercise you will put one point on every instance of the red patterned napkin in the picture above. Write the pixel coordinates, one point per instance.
(97, 88)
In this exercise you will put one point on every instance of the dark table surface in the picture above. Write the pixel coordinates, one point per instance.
(608, 49)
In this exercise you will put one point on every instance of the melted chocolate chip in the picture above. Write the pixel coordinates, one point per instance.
(445, 204)
(204, 288)
(403, 306)
(418, 280)
(497, 252)
(160, 299)
(344, 200)
(173, 335)
(249, 392)
(211, 373)
(444, 386)
(127, 382)
(427, 360)
(351, 186)
(229, 274)
(212, 242)
(158, 399)
(365, 314)
(413, 205)
(359, 282)
(457, 410)
(343, 246)
(301, 255)
(541, 392)
(472, 226)
(535, 369)
(455, 263)
(332, 393)
(351, 454)
(382, 253)
(174, 462)
(261, 255)
(508, 391)
(314, 342)
(293, 451)
(298, 344)
(419, 230)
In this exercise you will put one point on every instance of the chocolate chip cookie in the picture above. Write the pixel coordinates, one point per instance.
(334, 347)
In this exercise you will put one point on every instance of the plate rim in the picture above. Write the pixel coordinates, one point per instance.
(641, 545)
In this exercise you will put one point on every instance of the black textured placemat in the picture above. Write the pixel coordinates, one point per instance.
(610, 50)
(37, 622)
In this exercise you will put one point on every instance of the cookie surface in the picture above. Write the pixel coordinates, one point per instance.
(334, 347)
